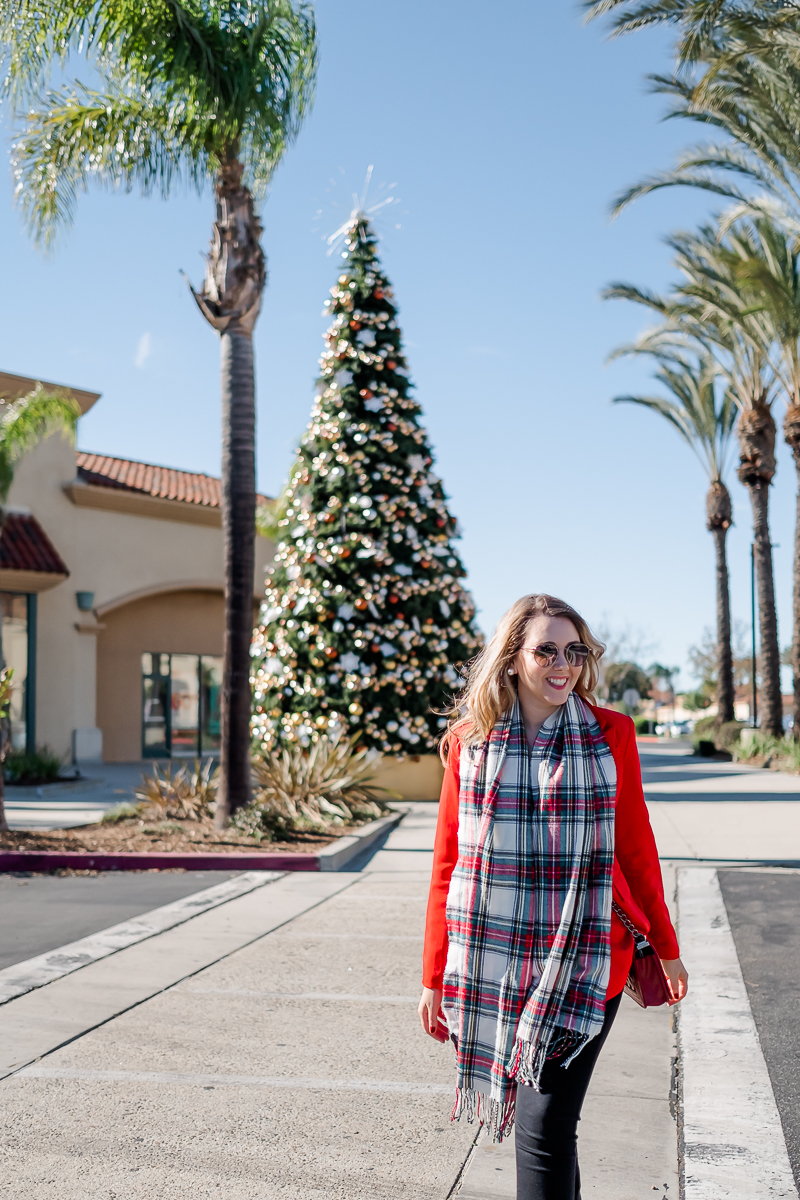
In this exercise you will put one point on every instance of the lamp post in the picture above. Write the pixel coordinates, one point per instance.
(754, 703)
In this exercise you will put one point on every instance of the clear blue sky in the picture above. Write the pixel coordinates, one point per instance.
(507, 129)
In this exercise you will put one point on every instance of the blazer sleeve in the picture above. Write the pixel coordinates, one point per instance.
(445, 857)
(637, 854)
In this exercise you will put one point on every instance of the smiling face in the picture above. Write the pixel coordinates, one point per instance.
(547, 687)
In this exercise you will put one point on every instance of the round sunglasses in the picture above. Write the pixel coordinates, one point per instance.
(545, 655)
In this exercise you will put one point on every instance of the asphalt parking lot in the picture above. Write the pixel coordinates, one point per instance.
(42, 912)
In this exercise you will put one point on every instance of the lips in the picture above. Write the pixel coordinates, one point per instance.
(557, 682)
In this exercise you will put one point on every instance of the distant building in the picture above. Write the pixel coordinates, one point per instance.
(112, 602)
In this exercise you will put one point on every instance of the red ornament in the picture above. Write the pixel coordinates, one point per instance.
(361, 605)
(378, 294)
(366, 393)
(355, 324)
(331, 653)
(394, 599)
(440, 521)
(391, 427)
(391, 365)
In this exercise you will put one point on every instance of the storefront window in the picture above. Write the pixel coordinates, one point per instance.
(15, 652)
(180, 704)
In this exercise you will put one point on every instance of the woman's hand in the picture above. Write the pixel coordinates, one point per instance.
(678, 978)
(429, 1017)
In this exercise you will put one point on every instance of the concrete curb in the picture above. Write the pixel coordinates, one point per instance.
(35, 972)
(733, 1141)
(333, 858)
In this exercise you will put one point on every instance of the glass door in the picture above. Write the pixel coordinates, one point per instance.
(184, 705)
(210, 694)
(155, 705)
(180, 705)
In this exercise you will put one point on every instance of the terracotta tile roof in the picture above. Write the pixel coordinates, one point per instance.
(24, 546)
(163, 482)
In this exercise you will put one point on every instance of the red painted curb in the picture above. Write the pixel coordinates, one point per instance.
(54, 860)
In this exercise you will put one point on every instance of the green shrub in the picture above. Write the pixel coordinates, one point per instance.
(30, 770)
(705, 728)
(728, 735)
(760, 745)
(644, 726)
(122, 812)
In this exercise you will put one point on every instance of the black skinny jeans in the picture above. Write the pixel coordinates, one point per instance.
(547, 1123)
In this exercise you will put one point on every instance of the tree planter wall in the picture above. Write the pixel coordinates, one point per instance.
(414, 776)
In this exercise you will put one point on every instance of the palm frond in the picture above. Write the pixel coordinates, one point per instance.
(25, 422)
(117, 138)
(187, 86)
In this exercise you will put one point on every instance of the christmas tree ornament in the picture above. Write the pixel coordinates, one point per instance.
(366, 581)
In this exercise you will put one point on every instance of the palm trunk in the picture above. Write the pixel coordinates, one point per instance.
(771, 702)
(791, 429)
(238, 531)
(230, 302)
(756, 469)
(718, 508)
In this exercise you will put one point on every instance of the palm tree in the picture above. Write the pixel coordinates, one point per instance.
(191, 91)
(705, 419)
(768, 269)
(24, 423)
(709, 309)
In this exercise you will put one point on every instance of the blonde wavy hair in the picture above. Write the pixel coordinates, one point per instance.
(488, 690)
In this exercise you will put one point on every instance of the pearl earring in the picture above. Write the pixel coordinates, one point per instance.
(511, 671)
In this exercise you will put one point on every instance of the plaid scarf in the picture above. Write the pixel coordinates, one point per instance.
(529, 907)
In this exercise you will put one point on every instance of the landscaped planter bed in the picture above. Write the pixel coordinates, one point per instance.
(133, 845)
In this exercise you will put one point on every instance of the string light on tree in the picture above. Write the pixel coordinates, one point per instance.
(365, 616)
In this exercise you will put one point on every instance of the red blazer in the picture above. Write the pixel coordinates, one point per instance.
(637, 883)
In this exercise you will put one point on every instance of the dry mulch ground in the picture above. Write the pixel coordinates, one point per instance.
(142, 835)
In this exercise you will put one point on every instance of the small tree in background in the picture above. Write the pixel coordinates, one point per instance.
(365, 614)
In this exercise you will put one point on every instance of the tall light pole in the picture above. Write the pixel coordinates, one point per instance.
(754, 704)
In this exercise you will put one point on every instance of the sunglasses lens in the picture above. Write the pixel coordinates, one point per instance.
(576, 654)
(546, 654)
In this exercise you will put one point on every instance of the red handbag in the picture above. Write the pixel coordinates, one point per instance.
(647, 983)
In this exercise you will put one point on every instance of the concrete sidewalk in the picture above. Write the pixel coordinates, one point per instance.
(270, 1048)
(77, 802)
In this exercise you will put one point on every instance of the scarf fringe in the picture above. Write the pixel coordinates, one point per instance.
(496, 1116)
(528, 1059)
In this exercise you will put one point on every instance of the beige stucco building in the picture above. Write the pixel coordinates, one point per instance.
(112, 596)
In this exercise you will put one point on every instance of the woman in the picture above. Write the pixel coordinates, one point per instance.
(542, 825)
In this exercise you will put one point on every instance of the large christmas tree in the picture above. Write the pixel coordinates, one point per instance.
(364, 616)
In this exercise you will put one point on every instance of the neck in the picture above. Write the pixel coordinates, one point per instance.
(534, 712)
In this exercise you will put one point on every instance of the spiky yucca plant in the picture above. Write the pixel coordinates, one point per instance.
(189, 794)
(325, 786)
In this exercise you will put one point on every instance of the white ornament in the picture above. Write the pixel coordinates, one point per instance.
(350, 662)
(387, 649)
(343, 378)
(402, 569)
(445, 608)
(416, 462)
(345, 611)
(374, 404)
